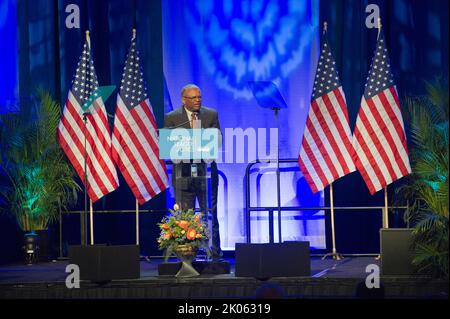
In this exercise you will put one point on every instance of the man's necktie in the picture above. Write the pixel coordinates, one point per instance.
(193, 119)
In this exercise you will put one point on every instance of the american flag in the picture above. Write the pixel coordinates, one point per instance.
(379, 141)
(326, 149)
(101, 172)
(135, 139)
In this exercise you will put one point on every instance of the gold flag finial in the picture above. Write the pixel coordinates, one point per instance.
(379, 26)
(88, 39)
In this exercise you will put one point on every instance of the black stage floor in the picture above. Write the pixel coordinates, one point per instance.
(329, 279)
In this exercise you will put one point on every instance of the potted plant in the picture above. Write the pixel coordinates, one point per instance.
(182, 233)
(39, 181)
(427, 187)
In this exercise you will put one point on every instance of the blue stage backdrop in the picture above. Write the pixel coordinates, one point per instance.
(220, 46)
(8, 56)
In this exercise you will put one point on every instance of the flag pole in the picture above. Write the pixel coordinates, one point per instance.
(334, 254)
(386, 215)
(83, 220)
(137, 203)
(91, 211)
(137, 222)
(379, 26)
(385, 212)
(91, 216)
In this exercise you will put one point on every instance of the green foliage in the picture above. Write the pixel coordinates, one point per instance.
(182, 228)
(427, 187)
(41, 181)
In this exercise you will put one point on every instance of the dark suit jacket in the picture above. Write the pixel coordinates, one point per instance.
(209, 118)
(179, 119)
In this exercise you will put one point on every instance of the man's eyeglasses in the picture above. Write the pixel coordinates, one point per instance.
(193, 97)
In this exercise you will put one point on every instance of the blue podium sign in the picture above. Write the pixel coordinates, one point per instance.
(188, 144)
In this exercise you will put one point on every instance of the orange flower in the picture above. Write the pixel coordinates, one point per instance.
(191, 234)
(183, 224)
(165, 226)
(197, 218)
(167, 235)
(198, 236)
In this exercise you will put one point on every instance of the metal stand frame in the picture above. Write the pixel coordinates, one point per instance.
(276, 109)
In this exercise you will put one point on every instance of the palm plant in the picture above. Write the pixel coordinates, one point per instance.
(40, 182)
(427, 187)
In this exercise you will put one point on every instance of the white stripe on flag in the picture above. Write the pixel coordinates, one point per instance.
(317, 155)
(142, 140)
(310, 168)
(126, 165)
(343, 120)
(384, 144)
(135, 153)
(95, 157)
(366, 164)
(325, 141)
(371, 145)
(79, 158)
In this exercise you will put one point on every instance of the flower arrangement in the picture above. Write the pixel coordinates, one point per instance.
(182, 228)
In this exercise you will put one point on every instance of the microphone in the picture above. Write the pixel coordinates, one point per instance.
(176, 126)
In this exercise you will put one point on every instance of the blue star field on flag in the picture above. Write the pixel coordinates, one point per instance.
(85, 82)
(380, 76)
(132, 89)
(327, 78)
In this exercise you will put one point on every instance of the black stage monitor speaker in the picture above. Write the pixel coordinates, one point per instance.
(288, 259)
(396, 253)
(100, 263)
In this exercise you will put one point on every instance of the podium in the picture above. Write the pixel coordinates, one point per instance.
(194, 178)
(192, 152)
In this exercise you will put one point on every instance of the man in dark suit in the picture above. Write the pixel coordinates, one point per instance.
(187, 177)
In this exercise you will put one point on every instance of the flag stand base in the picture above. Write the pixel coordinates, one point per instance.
(334, 255)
